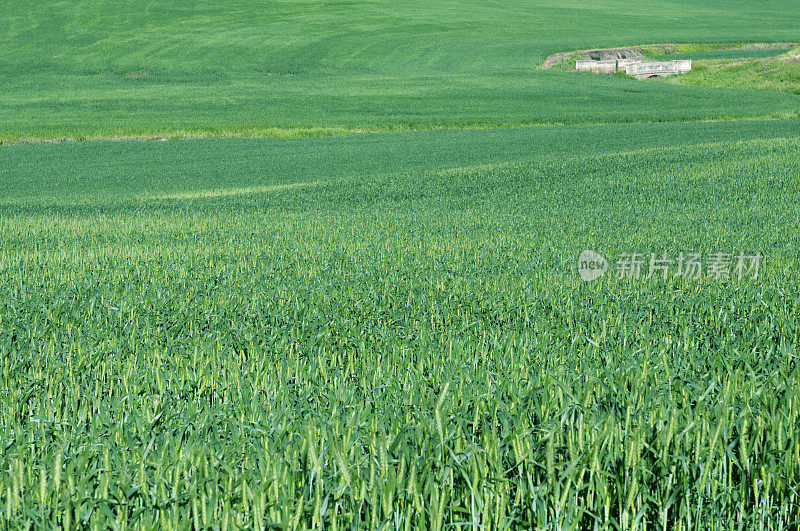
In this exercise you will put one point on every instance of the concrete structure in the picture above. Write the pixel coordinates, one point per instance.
(660, 68)
(607, 66)
(634, 67)
(610, 54)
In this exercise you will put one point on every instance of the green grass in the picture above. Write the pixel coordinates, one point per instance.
(60, 176)
(340, 330)
(774, 75)
(91, 68)
(722, 47)
(388, 330)
(386, 104)
(721, 54)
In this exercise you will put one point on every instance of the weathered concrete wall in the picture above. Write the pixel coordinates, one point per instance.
(659, 68)
(602, 54)
(609, 65)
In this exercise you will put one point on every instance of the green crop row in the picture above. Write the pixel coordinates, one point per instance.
(389, 331)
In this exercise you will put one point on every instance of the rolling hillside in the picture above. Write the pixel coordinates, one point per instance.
(385, 326)
(96, 68)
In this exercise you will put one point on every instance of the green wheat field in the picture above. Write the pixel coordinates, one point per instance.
(343, 291)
